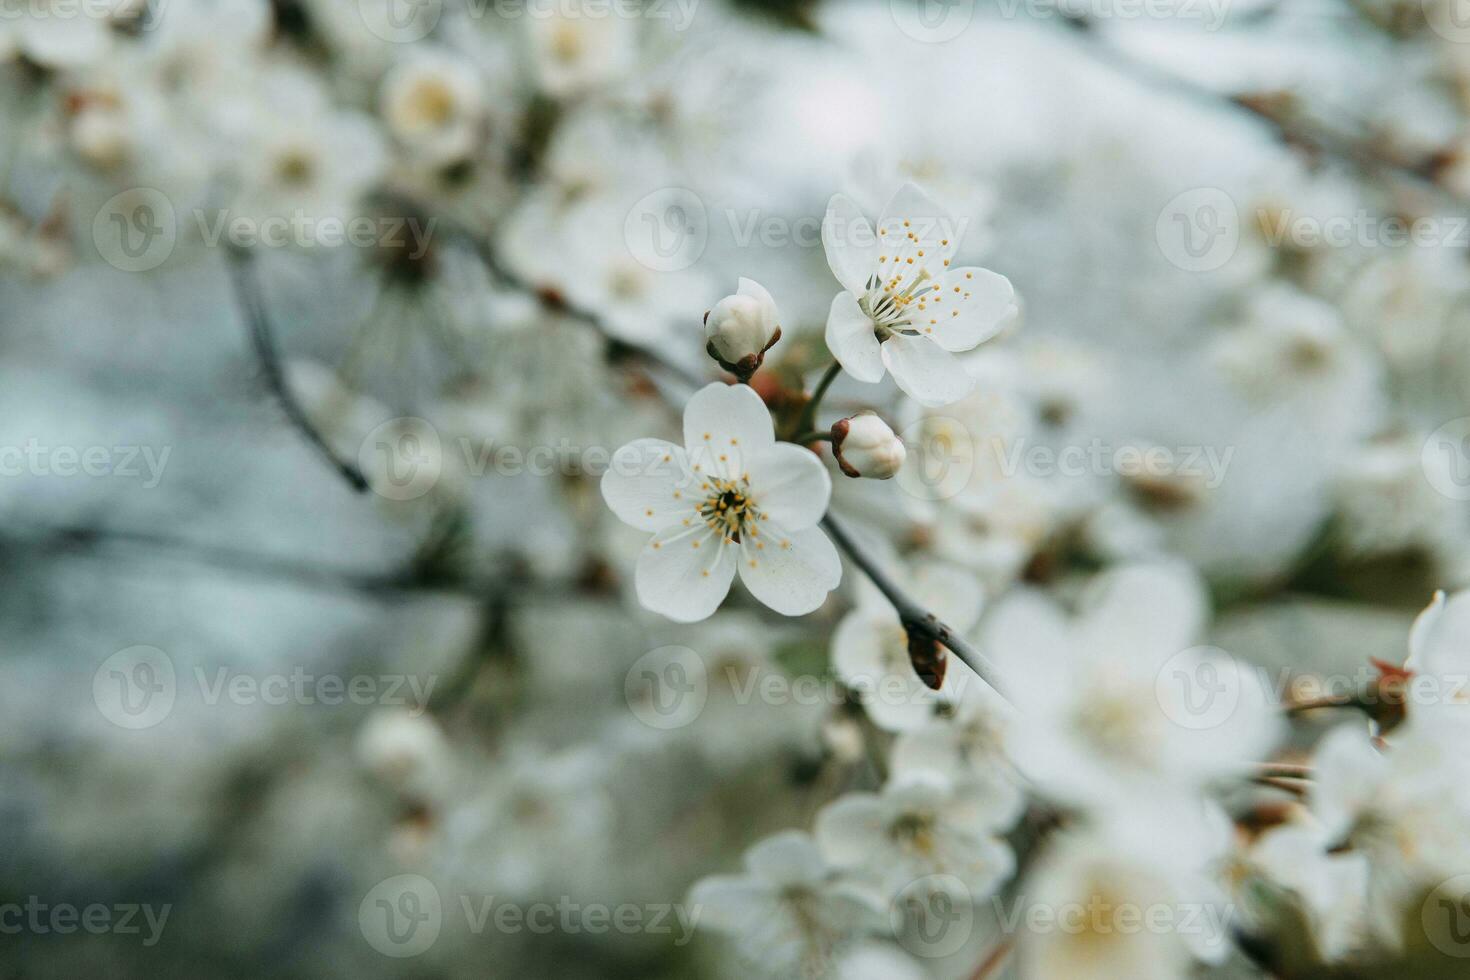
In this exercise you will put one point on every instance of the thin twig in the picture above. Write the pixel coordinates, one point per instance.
(128, 544)
(1331, 701)
(1360, 155)
(808, 420)
(1289, 777)
(916, 620)
(1288, 770)
(247, 294)
(1296, 787)
(993, 961)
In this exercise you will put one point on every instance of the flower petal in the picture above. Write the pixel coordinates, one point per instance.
(684, 573)
(759, 293)
(969, 309)
(725, 420)
(851, 246)
(989, 800)
(1348, 775)
(1423, 630)
(1147, 611)
(788, 858)
(914, 221)
(732, 904)
(928, 374)
(647, 484)
(849, 828)
(790, 485)
(851, 339)
(870, 655)
(791, 572)
(1436, 643)
(950, 592)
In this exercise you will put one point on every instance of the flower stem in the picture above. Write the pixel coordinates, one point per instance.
(812, 436)
(808, 420)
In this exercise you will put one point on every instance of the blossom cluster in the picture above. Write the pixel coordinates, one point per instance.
(863, 647)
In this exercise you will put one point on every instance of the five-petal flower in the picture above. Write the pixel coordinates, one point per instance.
(731, 497)
(903, 308)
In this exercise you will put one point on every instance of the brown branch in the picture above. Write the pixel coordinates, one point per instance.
(918, 622)
(1275, 113)
(247, 293)
(994, 961)
(922, 626)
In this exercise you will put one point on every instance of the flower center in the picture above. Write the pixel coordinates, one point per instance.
(432, 102)
(566, 43)
(916, 829)
(893, 303)
(729, 510)
(295, 167)
(1117, 726)
(626, 284)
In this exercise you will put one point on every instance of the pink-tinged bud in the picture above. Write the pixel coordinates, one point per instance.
(866, 446)
(741, 328)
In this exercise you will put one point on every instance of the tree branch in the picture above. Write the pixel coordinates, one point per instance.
(247, 294)
(1362, 155)
(920, 624)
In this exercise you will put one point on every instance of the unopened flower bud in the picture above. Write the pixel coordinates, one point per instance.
(741, 328)
(866, 446)
(406, 752)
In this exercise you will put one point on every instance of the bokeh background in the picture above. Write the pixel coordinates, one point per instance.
(240, 690)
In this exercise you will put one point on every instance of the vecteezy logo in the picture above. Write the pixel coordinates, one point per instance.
(400, 21)
(667, 230)
(136, 230)
(941, 458)
(1445, 916)
(1199, 688)
(667, 688)
(933, 916)
(1198, 230)
(402, 458)
(932, 21)
(401, 917)
(135, 688)
(1450, 19)
(1445, 459)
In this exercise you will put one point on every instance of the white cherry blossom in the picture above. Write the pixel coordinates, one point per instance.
(300, 155)
(572, 53)
(1437, 642)
(870, 648)
(1119, 698)
(876, 962)
(731, 498)
(59, 35)
(964, 739)
(1328, 889)
(1406, 810)
(789, 911)
(432, 104)
(904, 310)
(1129, 895)
(924, 824)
